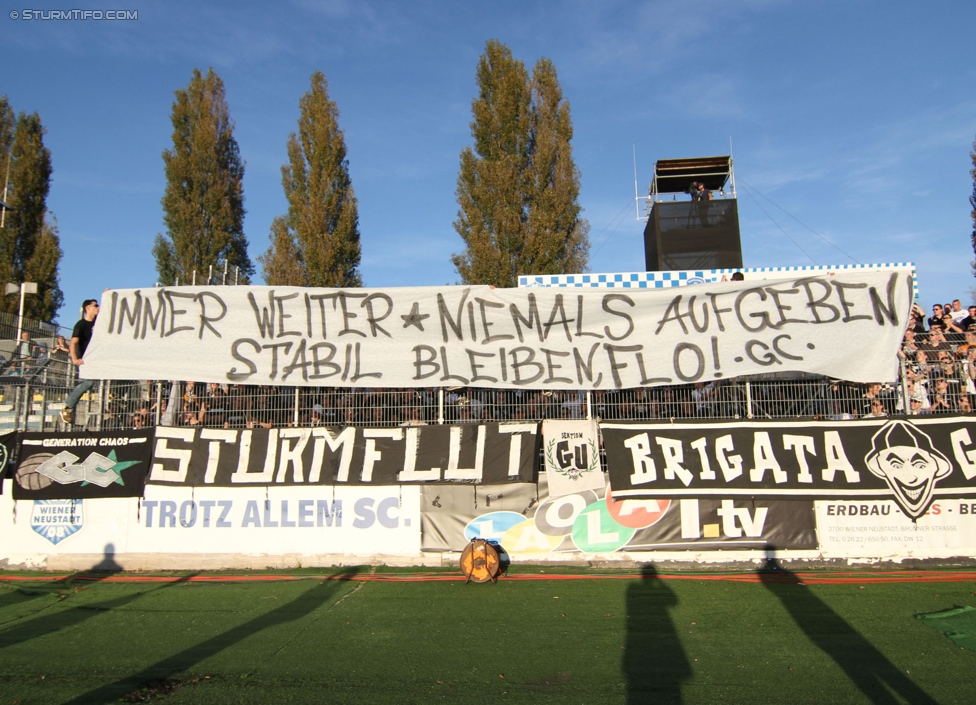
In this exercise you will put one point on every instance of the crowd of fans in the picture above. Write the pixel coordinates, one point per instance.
(939, 354)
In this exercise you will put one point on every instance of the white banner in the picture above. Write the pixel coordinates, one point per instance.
(845, 325)
(572, 456)
(275, 521)
(879, 529)
(354, 521)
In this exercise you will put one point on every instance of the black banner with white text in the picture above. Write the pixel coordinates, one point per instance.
(469, 453)
(910, 461)
(82, 465)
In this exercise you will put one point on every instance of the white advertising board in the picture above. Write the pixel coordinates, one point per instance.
(213, 520)
(879, 529)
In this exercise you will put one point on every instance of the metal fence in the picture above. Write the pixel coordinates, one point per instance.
(36, 374)
(32, 390)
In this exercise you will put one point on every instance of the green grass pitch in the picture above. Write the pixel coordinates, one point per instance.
(619, 640)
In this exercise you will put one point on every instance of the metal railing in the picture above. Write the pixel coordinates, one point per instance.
(36, 376)
(32, 393)
(36, 329)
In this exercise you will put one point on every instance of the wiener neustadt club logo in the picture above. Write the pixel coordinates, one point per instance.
(57, 519)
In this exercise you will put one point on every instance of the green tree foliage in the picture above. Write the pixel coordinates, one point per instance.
(203, 205)
(972, 201)
(282, 264)
(558, 238)
(30, 250)
(42, 267)
(317, 243)
(8, 122)
(518, 188)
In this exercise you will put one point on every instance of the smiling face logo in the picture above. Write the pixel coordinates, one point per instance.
(906, 459)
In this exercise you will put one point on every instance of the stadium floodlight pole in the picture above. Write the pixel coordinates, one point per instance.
(24, 288)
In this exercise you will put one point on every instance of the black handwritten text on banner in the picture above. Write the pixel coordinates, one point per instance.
(470, 453)
(845, 325)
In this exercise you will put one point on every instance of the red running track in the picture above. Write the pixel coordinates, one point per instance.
(785, 577)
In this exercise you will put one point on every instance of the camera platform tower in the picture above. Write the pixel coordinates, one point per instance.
(688, 233)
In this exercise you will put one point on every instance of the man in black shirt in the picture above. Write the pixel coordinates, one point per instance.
(936, 341)
(80, 337)
(702, 196)
(969, 320)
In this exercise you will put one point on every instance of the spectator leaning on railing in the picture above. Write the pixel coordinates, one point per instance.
(26, 352)
(943, 400)
(936, 341)
(953, 333)
(908, 346)
(61, 358)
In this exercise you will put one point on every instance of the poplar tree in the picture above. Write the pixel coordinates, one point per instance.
(972, 201)
(282, 264)
(8, 123)
(43, 267)
(317, 242)
(518, 187)
(557, 239)
(30, 249)
(203, 205)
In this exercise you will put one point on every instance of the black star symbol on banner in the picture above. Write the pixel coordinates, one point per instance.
(415, 317)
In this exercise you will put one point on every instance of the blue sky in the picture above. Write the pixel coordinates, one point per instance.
(851, 122)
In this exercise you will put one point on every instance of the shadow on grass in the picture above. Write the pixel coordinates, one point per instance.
(874, 675)
(654, 661)
(159, 677)
(27, 592)
(31, 626)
